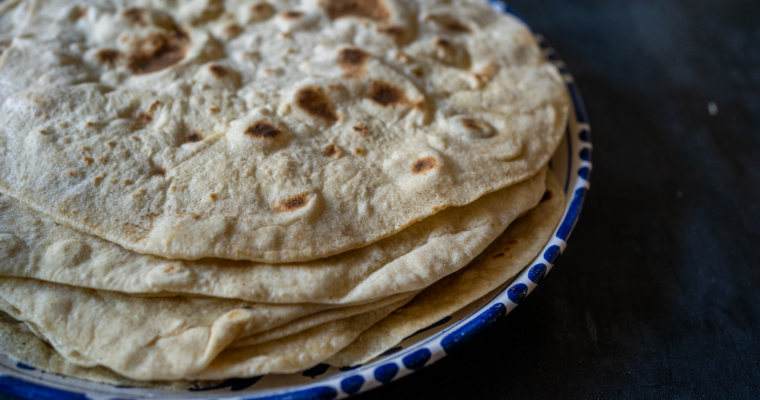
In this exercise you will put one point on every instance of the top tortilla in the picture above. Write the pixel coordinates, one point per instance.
(274, 132)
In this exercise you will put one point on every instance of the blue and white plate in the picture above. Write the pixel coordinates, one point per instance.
(572, 166)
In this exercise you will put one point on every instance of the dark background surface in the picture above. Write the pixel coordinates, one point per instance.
(656, 295)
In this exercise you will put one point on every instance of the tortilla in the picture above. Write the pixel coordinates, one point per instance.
(33, 246)
(145, 338)
(17, 341)
(285, 133)
(502, 261)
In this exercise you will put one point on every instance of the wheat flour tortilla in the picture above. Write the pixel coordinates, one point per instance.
(284, 355)
(147, 338)
(503, 260)
(33, 246)
(18, 341)
(275, 132)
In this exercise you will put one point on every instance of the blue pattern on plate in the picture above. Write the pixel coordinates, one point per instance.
(317, 393)
(551, 254)
(536, 273)
(572, 214)
(584, 136)
(583, 173)
(586, 154)
(352, 384)
(26, 367)
(580, 110)
(28, 390)
(517, 292)
(418, 359)
(455, 340)
(386, 373)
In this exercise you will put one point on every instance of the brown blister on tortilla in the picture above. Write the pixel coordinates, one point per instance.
(194, 137)
(143, 118)
(449, 23)
(136, 16)
(387, 95)
(262, 129)
(108, 57)
(313, 100)
(291, 203)
(261, 11)
(375, 10)
(333, 151)
(160, 172)
(395, 31)
(232, 31)
(361, 129)
(292, 15)
(352, 60)
(157, 51)
(487, 73)
(218, 71)
(424, 165)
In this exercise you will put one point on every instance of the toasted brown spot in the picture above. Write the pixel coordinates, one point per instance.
(72, 173)
(232, 31)
(292, 14)
(471, 124)
(456, 26)
(424, 165)
(85, 148)
(262, 129)
(262, 10)
(444, 44)
(108, 56)
(488, 72)
(385, 94)
(160, 171)
(144, 118)
(88, 160)
(157, 51)
(499, 255)
(171, 269)
(65, 140)
(80, 11)
(292, 203)
(361, 129)
(547, 196)
(218, 71)
(111, 144)
(418, 71)
(113, 181)
(135, 138)
(312, 99)
(352, 60)
(286, 35)
(194, 137)
(173, 188)
(127, 182)
(333, 151)
(394, 31)
(102, 160)
(135, 15)
(97, 180)
(89, 123)
(212, 196)
(213, 110)
(375, 10)
(358, 151)
(154, 106)
(43, 132)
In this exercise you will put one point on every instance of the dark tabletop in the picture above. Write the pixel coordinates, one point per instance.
(656, 295)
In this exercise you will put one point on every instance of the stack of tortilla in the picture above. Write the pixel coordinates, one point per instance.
(201, 190)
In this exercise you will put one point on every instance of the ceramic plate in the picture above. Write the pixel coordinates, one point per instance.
(571, 164)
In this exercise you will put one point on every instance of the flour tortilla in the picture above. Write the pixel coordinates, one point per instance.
(286, 133)
(33, 246)
(18, 341)
(503, 260)
(285, 355)
(145, 338)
